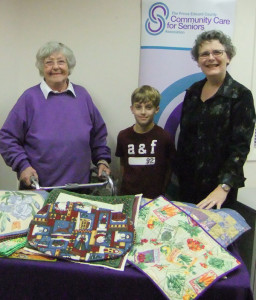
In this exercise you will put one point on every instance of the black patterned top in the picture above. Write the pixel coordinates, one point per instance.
(214, 139)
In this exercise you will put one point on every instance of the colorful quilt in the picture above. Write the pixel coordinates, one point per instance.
(10, 246)
(17, 209)
(31, 254)
(176, 253)
(83, 229)
(224, 225)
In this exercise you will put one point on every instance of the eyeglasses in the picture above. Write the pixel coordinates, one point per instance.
(215, 53)
(50, 63)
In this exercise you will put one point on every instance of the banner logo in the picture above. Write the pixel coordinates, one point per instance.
(172, 97)
(158, 14)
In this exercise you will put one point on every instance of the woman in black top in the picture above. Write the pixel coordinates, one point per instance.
(216, 127)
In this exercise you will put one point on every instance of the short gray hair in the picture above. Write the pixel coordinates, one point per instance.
(213, 35)
(51, 47)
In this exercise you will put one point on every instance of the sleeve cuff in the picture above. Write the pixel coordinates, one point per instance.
(103, 162)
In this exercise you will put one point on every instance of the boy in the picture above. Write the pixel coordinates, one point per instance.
(145, 149)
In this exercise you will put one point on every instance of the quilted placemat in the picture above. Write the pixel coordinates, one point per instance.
(224, 225)
(8, 247)
(17, 209)
(176, 253)
(78, 231)
(31, 254)
(84, 227)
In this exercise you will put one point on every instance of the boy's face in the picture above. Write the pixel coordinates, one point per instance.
(144, 113)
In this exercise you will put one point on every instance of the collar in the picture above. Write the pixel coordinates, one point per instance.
(46, 89)
(227, 89)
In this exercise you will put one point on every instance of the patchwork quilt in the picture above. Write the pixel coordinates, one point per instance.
(80, 231)
(84, 228)
(224, 225)
(176, 253)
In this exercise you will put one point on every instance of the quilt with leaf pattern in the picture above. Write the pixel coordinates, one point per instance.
(176, 253)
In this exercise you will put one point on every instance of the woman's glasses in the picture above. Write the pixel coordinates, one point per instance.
(50, 63)
(215, 53)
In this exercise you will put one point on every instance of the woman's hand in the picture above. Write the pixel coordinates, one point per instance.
(26, 175)
(216, 197)
(103, 168)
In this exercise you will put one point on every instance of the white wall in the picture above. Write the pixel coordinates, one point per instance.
(105, 37)
(243, 66)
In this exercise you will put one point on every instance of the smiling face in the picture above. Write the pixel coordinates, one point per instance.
(213, 65)
(56, 71)
(144, 113)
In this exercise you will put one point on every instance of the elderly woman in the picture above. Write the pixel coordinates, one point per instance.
(216, 127)
(54, 130)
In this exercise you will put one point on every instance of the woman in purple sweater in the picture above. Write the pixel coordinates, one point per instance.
(54, 131)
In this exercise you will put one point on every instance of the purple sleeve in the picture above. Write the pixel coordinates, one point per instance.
(12, 138)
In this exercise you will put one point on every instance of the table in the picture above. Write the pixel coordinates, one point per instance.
(26, 279)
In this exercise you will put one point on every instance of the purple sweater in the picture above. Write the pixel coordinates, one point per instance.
(58, 136)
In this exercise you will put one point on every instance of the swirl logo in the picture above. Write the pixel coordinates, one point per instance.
(172, 97)
(158, 13)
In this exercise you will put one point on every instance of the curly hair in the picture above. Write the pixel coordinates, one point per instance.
(213, 35)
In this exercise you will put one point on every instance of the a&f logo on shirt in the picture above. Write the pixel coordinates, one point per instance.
(141, 150)
(158, 13)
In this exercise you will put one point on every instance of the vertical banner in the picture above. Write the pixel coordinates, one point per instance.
(168, 31)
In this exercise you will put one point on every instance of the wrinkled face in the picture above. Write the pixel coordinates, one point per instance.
(144, 113)
(56, 70)
(213, 59)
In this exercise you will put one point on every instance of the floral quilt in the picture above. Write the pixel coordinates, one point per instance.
(176, 253)
(17, 209)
